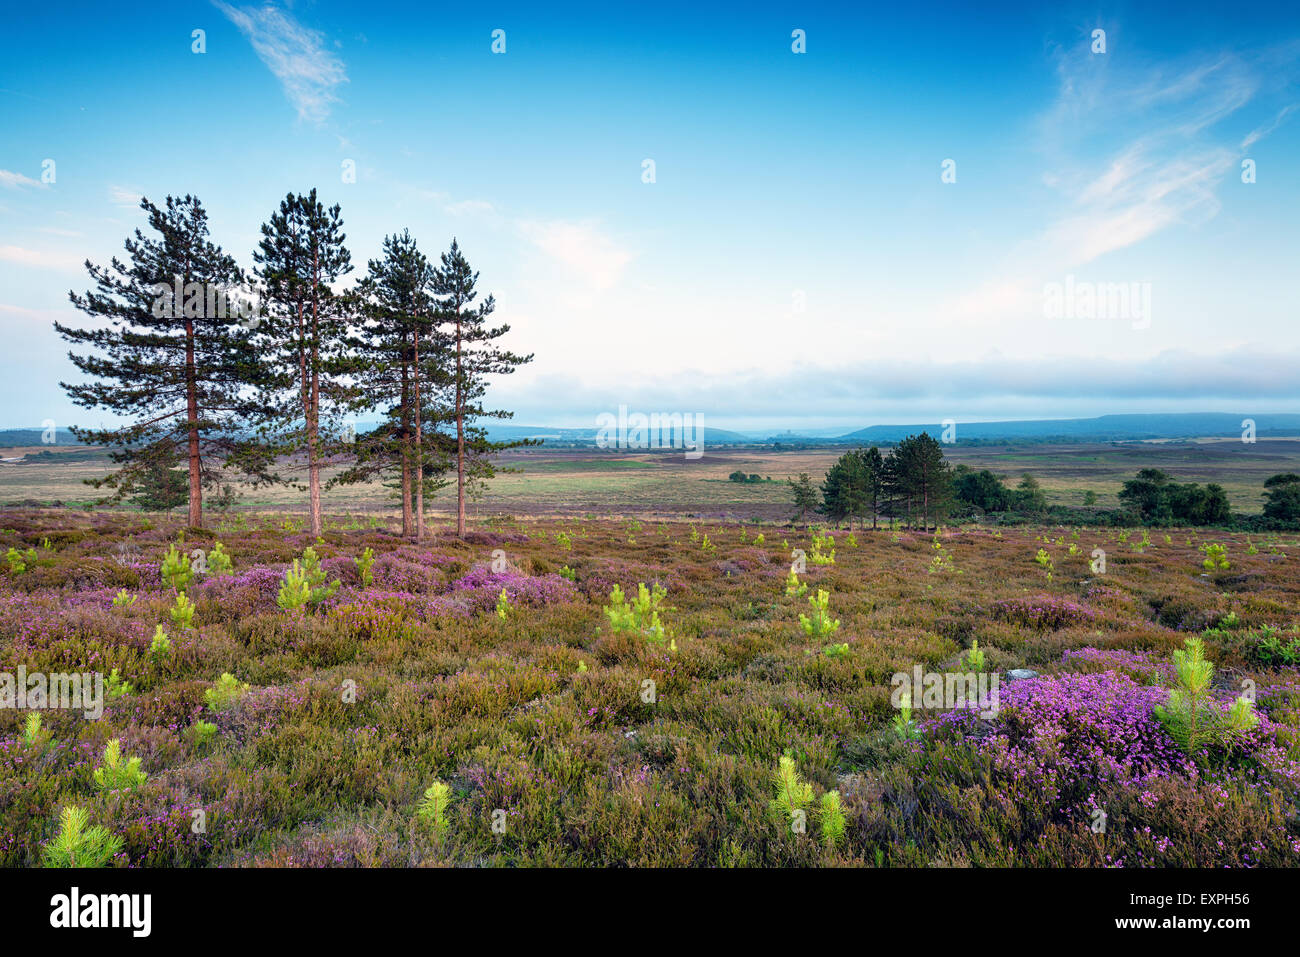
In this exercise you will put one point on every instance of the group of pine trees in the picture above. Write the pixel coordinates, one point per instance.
(1158, 500)
(220, 389)
(913, 480)
(1282, 499)
(982, 492)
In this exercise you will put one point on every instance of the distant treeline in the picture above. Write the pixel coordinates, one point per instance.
(914, 480)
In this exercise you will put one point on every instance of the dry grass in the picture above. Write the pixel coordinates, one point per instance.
(580, 483)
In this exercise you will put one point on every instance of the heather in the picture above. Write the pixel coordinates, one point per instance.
(1043, 612)
(419, 719)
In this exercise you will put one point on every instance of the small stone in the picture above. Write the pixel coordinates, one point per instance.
(1020, 674)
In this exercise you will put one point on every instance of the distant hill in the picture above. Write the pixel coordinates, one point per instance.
(559, 437)
(9, 438)
(1104, 428)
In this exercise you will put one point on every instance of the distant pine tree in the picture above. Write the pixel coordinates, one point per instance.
(921, 474)
(845, 492)
(876, 481)
(982, 490)
(1282, 494)
(160, 487)
(805, 496)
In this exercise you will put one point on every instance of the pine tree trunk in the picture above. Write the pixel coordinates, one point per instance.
(460, 442)
(313, 411)
(313, 464)
(419, 444)
(406, 448)
(304, 396)
(192, 418)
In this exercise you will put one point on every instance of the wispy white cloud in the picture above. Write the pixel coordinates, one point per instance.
(1255, 135)
(481, 209)
(40, 259)
(297, 55)
(12, 180)
(572, 260)
(1139, 196)
(470, 207)
(1156, 169)
(1133, 148)
(125, 197)
(581, 248)
(29, 315)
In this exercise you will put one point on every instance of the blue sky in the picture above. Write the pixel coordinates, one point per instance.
(797, 260)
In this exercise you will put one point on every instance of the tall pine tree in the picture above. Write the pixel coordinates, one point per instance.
(306, 334)
(175, 357)
(470, 344)
(406, 369)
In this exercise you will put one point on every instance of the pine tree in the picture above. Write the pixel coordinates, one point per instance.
(922, 474)
(845, 490)
(404, 370)
(306, 334)
(175, 357)
(894, 486)
(1191, 716)
(834, 497)
(1029, 495)
(1282, 494)
(805, 496)
(469, 341)
(390, 290)
(876, 480)
(160, 486)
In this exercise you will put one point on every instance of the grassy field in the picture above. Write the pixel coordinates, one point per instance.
(666, 485)
(565, 735)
